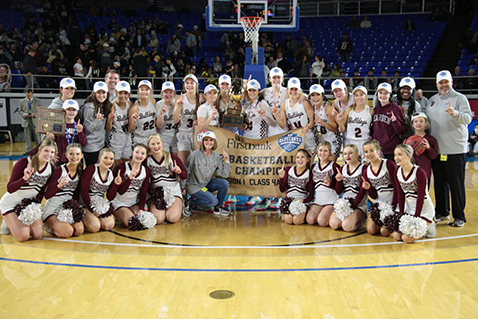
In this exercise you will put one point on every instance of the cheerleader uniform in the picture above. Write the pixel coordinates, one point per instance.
(351, 186)
(131, 191)
(185, 131)
(145, 126)
(169, 129)
(277, 101)
(413, 188)
(57, 196)
(258, 125)
(297, 118)
(324, 195)
(18, 188)
(119, 139)
(93, 185)
(382, 182)
(162, 175)
(297, 186)
(358, 128)
(205, 111)
(335, 139)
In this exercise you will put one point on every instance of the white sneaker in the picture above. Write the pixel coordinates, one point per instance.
(432, 230)
(221, 211)
(186, 211)
(4, 229)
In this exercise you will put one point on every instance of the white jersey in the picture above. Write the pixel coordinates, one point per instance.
(382, 182)
(119, 131)
(334, 138)
(257, 128)
(205, 111)
(358, 125)
(296, 116)
(162, 175)
(324, 195)
(344, 107)
(65, 193)
(131, 196)
(169, 129)
(352, 182)
(298, 185)
(275, 101)
(32, 186)
(188, 116)
(409, 187)
(145, 126)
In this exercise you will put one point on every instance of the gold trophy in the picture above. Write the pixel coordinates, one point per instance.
(233, 113)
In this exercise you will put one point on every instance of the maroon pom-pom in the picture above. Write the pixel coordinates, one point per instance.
(158, 198)
(134, 224)
(77, 209)
(284, 205)
(109, 212)
(391, 222)
(23, 204)
(375, 214)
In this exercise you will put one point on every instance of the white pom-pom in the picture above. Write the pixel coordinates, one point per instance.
(169, 196)
(100, 205)
(30, 214)
(65, 216)
(297, 207)
(385, 210)
(147, 219)
(342, 208)
(413, 226)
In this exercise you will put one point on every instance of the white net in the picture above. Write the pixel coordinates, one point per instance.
(251, 27)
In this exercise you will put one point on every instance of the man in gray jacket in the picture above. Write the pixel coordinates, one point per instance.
(449, 114)
(28, 110)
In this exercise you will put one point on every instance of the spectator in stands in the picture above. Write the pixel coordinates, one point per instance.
(39, 57)
(225, 39)
(28, 110)
(17, 55)
(282, 63)
(383, 77)
(301, 69)
(5, 57)
(458, 80)
(344, 78)
(365, 24)
(169, 8)
(409, 25)
(154, 41)
(336, 71)
(271, 63)
(420, 98)
(229, 70)
(129, 12)
(285, 45)
(140, 65)
(202, 66)
(217, 66)
(174, 44)
(306, 50)
(294, 45)
(179, 29)
(191, 44)
(105, 58)
(471, 83)
(354, 24)
(79, 74)
(396, 81)
(58, 68)
(5, 77)
(326, 72)
(45, 80)
(16, 35)
(370, 80)
(345, 48)
(29, 68)
(472, 145)
(357, 80)
(55, 53)
(139, 40)
(230, 52)
(237, 73)
(169, 69)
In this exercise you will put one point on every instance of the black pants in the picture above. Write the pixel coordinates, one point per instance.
(91, 158)
(450, 177)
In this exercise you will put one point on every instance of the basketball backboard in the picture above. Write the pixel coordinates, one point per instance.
(279, 15)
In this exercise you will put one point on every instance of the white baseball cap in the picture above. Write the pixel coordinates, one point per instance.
(191, 76)
(100, 85)
(407, 81)
(276, 72)
(145, 82)
(225, 78)
(339, 84)
(316, 88)
(360, 88)
(253, 84)
(385, 86)
(67, 83)
(180, 25)
(209, 134)
(70, 104)
(293, 83)
(444, 75)
(123, 86)
(168, 85)
(209, 88)
(419, 114)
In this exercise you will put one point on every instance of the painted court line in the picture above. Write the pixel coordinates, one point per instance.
(254, 247)
(238, 270)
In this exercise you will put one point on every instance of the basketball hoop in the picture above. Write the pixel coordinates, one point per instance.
(251, 27)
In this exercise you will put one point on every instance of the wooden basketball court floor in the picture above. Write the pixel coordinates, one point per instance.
(272, 270)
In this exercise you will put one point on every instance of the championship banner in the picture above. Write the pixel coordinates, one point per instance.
(255, 163)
